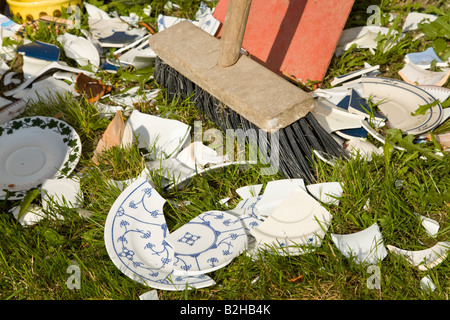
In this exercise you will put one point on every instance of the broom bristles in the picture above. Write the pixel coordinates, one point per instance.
(296, 141)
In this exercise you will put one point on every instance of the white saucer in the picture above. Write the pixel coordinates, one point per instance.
(398, 99)
(299, 221)
(206, 243)
(35, 149)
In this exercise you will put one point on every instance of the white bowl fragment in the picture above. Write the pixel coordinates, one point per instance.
(424, 259)
(366, 246)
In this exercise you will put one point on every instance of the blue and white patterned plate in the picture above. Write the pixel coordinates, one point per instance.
(33, 149)
(136, 239)
(208, 242)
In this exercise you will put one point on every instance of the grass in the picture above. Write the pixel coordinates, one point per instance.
(389, 190)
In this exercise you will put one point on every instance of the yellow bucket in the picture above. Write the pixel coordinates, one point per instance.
(33, 9)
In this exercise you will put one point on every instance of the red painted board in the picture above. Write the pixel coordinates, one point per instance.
(296, 38)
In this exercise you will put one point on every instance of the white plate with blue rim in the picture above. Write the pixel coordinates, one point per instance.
(136, 240)
(397, 100)
(34, 149)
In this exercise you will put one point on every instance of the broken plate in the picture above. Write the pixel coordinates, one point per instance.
(275, 193)
(163, 137)
(37, 55)
(418, 76)
(206, 243)
(63, 192)
(414, 18)
(35, 149)
(44, 89)
(135, 239)
(32, 215)
(11, 110)
(397, 100)
(333, 118)
(431, 226)
(353, 75)
(299, 222)
(424, 259)
(326, 192)
(376, 135)
(53, 65)
(249, 191)
(425, 58)
(80, 49)
(366, 246)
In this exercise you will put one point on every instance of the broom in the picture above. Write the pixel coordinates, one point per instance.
(236, 92)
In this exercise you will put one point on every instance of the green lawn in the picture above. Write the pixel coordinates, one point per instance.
(37, 261)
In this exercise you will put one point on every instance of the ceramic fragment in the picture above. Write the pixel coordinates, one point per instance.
(165, 137)
(413, 74)
(298, 224)
(425, 58)
(397, 100)
(414, 18)
(424, 259)
(427, 284)
(366, 246)
(326, 192)
(206, 243)
(63, 192)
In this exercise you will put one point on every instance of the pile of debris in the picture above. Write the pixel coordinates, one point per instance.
(136, 234)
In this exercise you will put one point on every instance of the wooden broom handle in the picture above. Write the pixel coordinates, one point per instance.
(233, 32)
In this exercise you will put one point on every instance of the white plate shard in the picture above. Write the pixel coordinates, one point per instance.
(366, 246)
(35, 149)
(427, 284)
(333, 118)
(363, 148)
(32, 215)
(249, 191)
(424, 259)
(206, 243)
(397, 100)
(416, 75)
(166, 136)
(80, 49)
(431, 226)
(63, 192)
(326, 192)
(298, 224)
